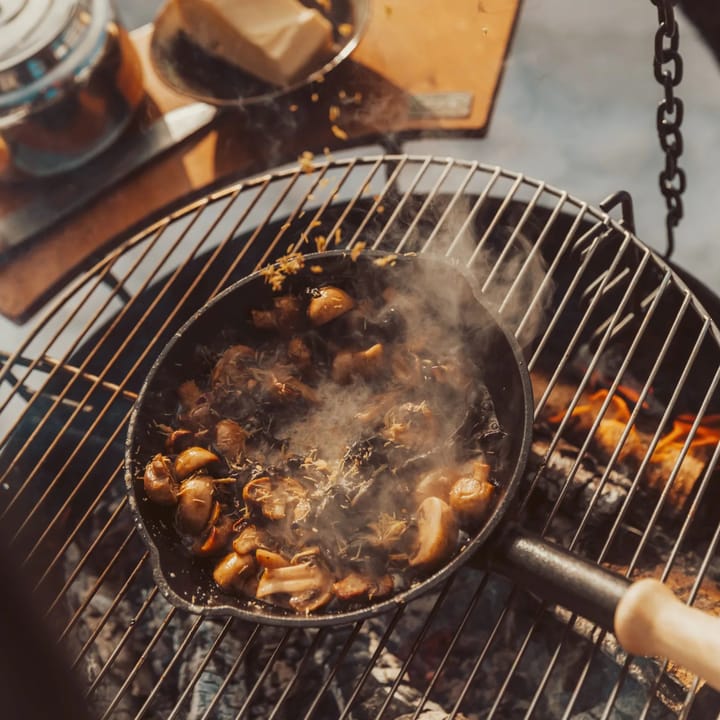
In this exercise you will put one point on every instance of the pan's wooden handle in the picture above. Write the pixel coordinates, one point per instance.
(650, 620)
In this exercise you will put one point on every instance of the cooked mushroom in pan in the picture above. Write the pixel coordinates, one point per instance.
(342, 449)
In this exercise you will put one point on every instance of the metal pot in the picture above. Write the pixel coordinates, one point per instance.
(70, 82)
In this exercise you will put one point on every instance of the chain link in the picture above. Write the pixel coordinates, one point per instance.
(668, 69)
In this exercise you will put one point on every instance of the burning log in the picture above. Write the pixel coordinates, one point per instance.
(630, 444)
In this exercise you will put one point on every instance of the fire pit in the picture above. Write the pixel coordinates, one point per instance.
(625, 363)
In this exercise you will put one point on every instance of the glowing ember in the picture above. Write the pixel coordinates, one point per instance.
(669, 462)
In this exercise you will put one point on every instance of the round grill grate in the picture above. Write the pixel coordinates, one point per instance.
(605, 325)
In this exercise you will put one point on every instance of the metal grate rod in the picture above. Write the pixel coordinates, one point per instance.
(79, 525)
(141, 661)
(573, 403)
(59, 304)
(63, 326)
(644, 392)
(474, 210)
(153, 592)
(453, 642)
(417, 216)
(334, 231)
(492, 226)
(377, 202)
(261, 678)
(531, 256)
(546, 283)
(231, 673)
(570, 706)
(482, 655)
(309, 653)
(517, 229)
(96, 585)
(121, 593)
(141, 357)
(338, 661)
(656, 438)
(182, 646)
(351, 204)
(201, 668)
(637, 341)
(419, 637)
(50, 525)
(550, 666)
(562, 307)
(452, 204)
(72, 417)
(382, 643)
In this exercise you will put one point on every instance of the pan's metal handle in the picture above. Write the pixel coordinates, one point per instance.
(558, 576)
(647, 618)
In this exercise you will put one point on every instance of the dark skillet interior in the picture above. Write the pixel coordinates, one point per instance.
(186, 581)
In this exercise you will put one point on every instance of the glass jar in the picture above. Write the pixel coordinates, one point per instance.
(70, 81)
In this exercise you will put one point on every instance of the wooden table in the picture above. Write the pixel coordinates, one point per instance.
(422, 66)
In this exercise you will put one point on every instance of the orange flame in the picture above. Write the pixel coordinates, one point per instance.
(617, 409)
(663, 463)
(707, 433)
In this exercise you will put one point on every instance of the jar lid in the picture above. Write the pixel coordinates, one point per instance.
(35, 36)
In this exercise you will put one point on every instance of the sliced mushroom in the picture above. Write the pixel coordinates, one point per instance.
(405, 367)
(308, 585)
(375, 410)
(367, 364)
(286, 315)
(188, 393)
(270, 559)
(273, 498)
(179, 440)
(193, 459)
(384, 585)
(329, 303)
(471, 495)
(437, 533)
(235, 573)
(249, 540)
(307, 554)
(159, 482)
(352, 586)
(230, 439)
(437, 483)
(342, 367)
(201, 416)
(413, 425)
(216, 539)
(288, 388)
(357, 585)
(387, 531)
(231, 368)
(195, 505)
(299, 353)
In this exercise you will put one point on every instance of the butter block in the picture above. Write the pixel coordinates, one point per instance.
(279, 41)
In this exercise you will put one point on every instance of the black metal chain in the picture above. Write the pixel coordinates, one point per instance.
(668, 67)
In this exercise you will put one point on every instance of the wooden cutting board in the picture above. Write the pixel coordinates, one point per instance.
(422, 67)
